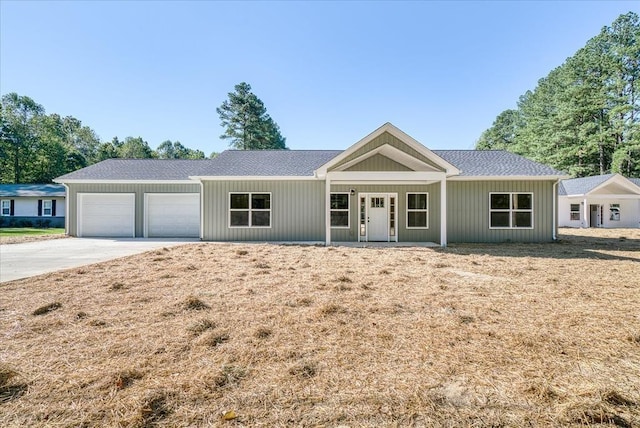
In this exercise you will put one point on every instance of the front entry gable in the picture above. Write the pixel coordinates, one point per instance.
(376, 162)
(387, 158)
(401, 151)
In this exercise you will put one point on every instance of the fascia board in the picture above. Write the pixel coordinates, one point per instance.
(253, 178)
(385, 176)
(508, 178)
(85, 181)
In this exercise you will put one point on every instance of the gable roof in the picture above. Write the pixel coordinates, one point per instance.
(586, 185)
(32, 190)
(138, 170)
(399, 134)
(306, 164)
(635, 181)
(267, 163)
(496, 163)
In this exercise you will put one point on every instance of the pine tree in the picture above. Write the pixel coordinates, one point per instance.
(246, 122)
(584, 117)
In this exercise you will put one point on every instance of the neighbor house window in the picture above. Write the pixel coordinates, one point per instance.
(575, 212)
(511, 210)
(249, 209)
(6, 207)
(614, 209)
(46, 208)
(340, 210)
(417, 210)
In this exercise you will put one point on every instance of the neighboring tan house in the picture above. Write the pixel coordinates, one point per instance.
(386, 187)
(608, 201)
(32, 205)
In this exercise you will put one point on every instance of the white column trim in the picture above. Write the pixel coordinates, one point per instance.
(443, 212)
(327, 211)
(587, 220)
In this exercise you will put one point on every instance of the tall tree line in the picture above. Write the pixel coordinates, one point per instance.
(36, 147)
(584, 117)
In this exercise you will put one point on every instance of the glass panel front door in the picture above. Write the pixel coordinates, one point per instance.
(378, 219)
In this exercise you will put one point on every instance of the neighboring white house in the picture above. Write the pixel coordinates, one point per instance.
(608, 201)
(27, 205)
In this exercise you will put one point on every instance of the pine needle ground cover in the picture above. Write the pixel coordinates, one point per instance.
(270, 335)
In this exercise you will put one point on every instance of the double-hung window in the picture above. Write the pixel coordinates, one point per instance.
(47, 208)
(340, 210)
(417, 210)
(511, 210)
(249, 209)
(6, 207)
(575, 212)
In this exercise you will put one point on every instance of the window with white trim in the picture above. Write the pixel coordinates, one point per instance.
(6, 207)
(249, 209)
(574, 212)
(47, 208)
(417, 210)
(339, 208)
(511, 210)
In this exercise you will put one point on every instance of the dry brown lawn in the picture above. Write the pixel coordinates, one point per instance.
(269, 335)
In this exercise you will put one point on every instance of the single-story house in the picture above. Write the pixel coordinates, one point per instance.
(386, 187)
(608, 201)
(32, 205)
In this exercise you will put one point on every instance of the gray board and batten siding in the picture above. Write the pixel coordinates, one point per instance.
(297, 210)
(138, 189)
(468, 211)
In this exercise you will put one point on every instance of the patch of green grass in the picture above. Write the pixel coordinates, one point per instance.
(9, 232)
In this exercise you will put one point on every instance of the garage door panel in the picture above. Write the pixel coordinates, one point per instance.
(106, 215)
(173, 215)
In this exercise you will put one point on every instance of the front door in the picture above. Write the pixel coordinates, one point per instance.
(594, 216)
(378, 218)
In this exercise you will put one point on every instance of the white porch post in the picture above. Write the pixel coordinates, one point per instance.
(327, 211)
(443, 211)
(587, 220)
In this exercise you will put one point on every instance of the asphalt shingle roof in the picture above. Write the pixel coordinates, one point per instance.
(293, 163)
(139, 169)
(478, 163)
(33, 190)
(581, 186)
(265, 163)
(584, 185)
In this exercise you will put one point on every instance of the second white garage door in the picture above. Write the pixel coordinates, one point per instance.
(106, 214)
(172, 215)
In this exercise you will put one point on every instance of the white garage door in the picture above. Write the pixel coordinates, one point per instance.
(172, 215)
(106, 214)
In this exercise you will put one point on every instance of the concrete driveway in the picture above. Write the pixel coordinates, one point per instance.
(35, 258)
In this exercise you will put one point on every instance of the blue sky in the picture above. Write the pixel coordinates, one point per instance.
(328, 72)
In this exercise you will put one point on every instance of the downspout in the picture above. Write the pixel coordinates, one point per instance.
(66, 209)
(555, 210)
(201, 209)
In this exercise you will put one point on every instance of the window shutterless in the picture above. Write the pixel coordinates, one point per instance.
(511, 210)
(339, 210)
(417, 210)
(249, 209)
